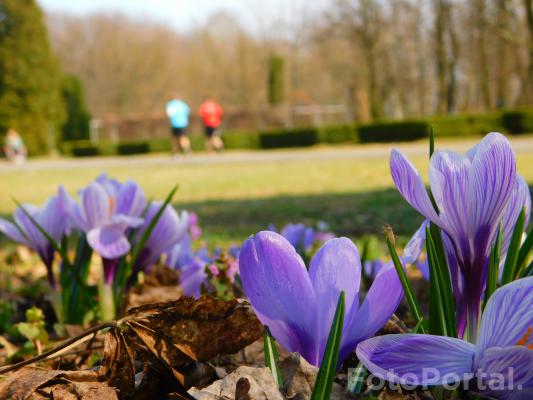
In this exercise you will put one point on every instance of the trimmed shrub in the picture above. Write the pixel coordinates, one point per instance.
(130, 148)
(162, 145)
(338, 134)
(517, 122)
(393, 131)
(88, 150)
(240, 140)
(466, 124)
(301, 137)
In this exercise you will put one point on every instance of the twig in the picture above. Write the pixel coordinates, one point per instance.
(87, 348)
(75, 353)
(63, 345)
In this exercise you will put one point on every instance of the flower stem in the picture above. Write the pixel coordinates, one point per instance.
(107, 304)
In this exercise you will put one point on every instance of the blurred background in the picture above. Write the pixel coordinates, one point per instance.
(92, 78)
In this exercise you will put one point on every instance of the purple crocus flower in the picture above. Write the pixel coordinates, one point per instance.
(300, 236)
(169, 230)
(298, 306)
(472, 194)
(504, 346)
(190, 264)
(520, 198)
(106, 213)
(52, 217)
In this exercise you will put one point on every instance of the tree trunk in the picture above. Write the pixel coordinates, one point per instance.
(528, 4)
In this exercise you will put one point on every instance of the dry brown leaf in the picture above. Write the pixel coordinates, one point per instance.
(171, 337)
(38, 383)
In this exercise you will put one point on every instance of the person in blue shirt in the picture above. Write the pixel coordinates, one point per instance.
(178, 115)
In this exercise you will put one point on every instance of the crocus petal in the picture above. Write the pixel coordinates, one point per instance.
(335, 267)
(448, 177)
(507, 316)
(510, 366)
(191, 279)
(96, 205)
(410, 185)
(276, 281)
(381, 301)
(111, 186)
(168, 231)
(131, 199)
(109, 241)
(12, 232)
(491, 180)
(417, 359)
(35, 238)
(125, 221)
(520, 198)
(181, 254)
(412, 251)
(53, 218)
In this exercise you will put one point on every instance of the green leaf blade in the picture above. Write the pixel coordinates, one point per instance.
(272, 357)
(330, 360)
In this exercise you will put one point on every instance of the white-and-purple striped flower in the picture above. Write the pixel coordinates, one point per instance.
(53, 217)
(298, 306)
(504, 346)
(107, 210)
(473, 195)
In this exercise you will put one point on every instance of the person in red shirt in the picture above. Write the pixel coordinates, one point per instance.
(211, 114)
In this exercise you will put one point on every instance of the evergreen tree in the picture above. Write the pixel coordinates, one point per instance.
(30, 97)
(76, 126)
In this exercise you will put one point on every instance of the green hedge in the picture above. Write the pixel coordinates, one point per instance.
(401, 131)
(299, 137)
(85, 151)
(466, 124)
(129, 148)
(240, 140)
(463, 125)
(338, 133)
(518, 122)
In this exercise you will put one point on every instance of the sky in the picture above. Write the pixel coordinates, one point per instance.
(186, 14)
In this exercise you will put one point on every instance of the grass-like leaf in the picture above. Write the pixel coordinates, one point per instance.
(356, 379)
(494, 267)
(510, 268)
(431, 141)
(523, 253)
(330, 360)
(407, 287)
(271, 356)
(442, 279)
(528, 271)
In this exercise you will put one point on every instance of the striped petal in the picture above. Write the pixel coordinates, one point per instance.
(410, 185)
(509, 371)
(508, 317)
(418, 359)
(448, 177)
(11, 231)
(96, 205)
(491, 181)
(109, 241)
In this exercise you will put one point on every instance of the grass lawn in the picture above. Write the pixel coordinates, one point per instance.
(355, 196)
